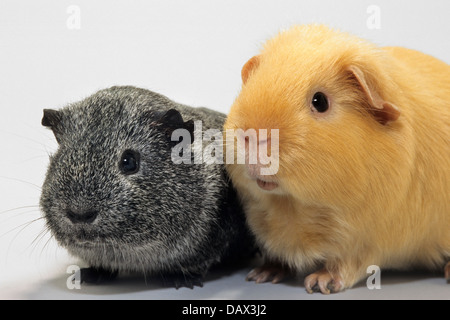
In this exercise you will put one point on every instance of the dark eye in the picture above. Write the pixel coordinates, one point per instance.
(320, 102)
(129, 162)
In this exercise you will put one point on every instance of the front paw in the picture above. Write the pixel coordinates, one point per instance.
(323, 281)
(273, 272)
(180, 280)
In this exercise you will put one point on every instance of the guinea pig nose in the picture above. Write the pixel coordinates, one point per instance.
(82, 217)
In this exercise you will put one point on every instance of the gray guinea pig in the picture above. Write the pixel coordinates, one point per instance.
(114, 198)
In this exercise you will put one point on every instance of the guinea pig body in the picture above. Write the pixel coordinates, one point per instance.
(114, 198)
(363, 157)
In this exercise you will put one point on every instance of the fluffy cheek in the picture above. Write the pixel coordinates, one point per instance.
(329, 167)
(238, 175)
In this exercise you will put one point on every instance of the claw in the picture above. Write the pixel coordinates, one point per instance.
(268, 272)
(183, 281)
(322, 281)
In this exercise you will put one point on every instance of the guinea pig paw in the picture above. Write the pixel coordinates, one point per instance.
(267, 272)
(447, 272)
(323, 281)
(183, 281)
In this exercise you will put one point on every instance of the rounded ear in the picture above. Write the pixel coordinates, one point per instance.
(172, 120)
(52, 120)
(248, 67)
(384, 111)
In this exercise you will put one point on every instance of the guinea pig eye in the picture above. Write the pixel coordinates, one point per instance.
(320, 102)
(129, 162)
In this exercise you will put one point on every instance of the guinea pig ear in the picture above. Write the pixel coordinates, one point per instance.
(52, 119)
(172, 120)
(383, 111)
(248, 67)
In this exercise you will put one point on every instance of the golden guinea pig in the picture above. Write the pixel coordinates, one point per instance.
(363, 157)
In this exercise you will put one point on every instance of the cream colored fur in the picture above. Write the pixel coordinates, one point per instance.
(353, 191)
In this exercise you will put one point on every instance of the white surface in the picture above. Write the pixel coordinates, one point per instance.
(191, 51)
(229, 286)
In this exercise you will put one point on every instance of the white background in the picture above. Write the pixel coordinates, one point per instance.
(191, 51)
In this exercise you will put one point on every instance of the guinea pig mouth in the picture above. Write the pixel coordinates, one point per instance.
(80, 238)
(266, 185)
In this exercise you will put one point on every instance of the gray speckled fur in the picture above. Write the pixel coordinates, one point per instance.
(167, 218)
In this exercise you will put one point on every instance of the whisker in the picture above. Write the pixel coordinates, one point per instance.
(22, 226)
(27, 138)
(20, 208)
(20, 214)
(48, 240)
(52, 237)
(38, 238)
(36, 241)
(23, 181)
(33, 158)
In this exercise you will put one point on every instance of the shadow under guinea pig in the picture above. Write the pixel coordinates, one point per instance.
(137, 285)
(229, 283)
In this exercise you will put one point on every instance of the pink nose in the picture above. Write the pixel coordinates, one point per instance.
(258, 151)
(253, 149)
(253, 161)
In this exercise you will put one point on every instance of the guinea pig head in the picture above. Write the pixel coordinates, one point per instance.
(107, 192)
(331, 106)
